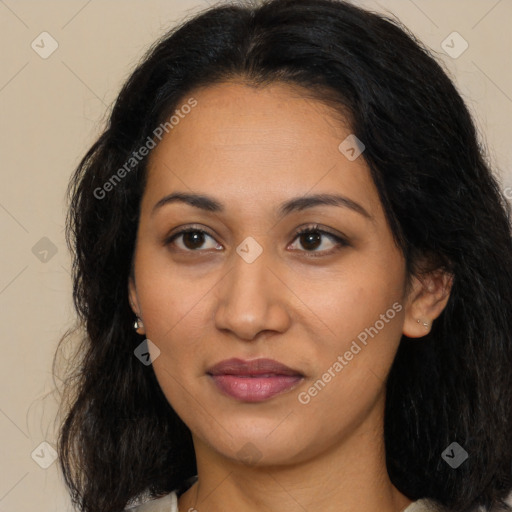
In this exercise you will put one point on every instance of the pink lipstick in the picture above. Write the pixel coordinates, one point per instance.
(253, 381)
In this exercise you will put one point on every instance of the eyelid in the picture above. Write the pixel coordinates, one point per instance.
(321, 229)
(188, 227)
(175, 233)
(339, 239)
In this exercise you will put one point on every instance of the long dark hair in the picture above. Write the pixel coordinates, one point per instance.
(120, 437)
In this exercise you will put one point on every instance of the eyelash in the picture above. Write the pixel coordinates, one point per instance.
(339, 241)
(314, 228)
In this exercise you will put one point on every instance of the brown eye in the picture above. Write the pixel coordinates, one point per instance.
(192, 239)
(311, 238)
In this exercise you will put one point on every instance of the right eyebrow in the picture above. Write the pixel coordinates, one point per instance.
(197, 200)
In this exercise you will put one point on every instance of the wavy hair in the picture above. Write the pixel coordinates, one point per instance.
(119, 436)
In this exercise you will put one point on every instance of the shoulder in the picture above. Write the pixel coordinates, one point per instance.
(167, 503)
(425, 505)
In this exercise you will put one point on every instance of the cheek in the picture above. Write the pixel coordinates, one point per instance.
(361, 328)
(174, 304)
(351, 375)
(346, 304)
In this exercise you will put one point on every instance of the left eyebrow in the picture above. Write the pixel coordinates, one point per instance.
(301, 203)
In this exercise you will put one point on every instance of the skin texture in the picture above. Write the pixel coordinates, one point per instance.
(252, 149)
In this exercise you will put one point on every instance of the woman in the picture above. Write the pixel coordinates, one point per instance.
(294, 270)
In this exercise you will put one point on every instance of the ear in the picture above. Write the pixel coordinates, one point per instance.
(134, 303)
(132, 296)
(426, 300)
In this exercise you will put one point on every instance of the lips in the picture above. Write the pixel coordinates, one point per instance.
(253, 368)
(253, 381)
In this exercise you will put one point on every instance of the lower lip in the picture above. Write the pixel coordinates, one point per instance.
(255, 389)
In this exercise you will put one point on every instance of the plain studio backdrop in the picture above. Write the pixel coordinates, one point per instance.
(63, 63)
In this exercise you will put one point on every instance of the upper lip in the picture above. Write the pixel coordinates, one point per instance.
(261, 366)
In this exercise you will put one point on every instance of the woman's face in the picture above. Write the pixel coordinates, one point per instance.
(329, 305)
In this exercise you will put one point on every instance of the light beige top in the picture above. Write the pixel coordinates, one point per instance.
(169, 503)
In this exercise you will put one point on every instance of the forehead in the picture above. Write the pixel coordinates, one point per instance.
(243, 141)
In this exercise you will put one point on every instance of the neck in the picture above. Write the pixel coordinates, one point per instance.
(349, 477)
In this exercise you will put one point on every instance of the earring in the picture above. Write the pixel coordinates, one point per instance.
(425, 324)
(138, 325)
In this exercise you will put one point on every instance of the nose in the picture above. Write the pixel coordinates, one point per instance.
(252, 300)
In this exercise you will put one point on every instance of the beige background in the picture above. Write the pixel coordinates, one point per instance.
(51, 111)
